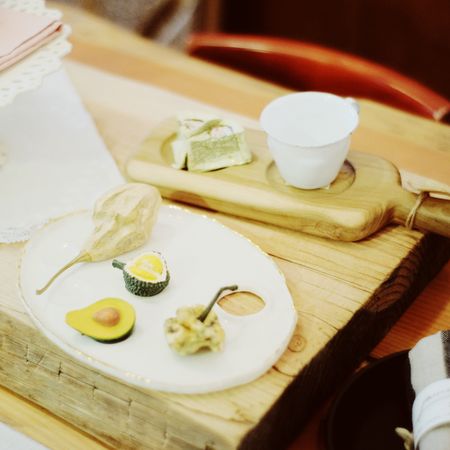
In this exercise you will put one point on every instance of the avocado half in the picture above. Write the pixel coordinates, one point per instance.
(83, 320)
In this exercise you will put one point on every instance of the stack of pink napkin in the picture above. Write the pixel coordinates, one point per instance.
(22, 33)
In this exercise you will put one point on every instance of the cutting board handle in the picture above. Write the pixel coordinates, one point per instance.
(433, 214)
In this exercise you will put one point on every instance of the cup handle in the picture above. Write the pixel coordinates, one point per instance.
(353, 103)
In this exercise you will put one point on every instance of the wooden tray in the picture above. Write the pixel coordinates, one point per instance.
(366, 195)
(347, 295)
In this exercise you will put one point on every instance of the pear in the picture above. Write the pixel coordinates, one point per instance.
(123, 218)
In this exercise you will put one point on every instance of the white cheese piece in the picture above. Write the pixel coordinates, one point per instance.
(180, 149)
(207, 143)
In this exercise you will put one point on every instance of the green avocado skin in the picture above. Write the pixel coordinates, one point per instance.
(115, 340)
(144, 288)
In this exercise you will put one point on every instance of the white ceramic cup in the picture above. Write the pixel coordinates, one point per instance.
(309, 136)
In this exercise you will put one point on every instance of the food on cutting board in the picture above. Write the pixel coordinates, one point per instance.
(196, 327)
(123, 219)
(108, 320)
(146, 275)
(205, 142)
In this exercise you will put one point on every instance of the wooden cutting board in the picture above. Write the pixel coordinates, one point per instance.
(347, 296)
(366, 195)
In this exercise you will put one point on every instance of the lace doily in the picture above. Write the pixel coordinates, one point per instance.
(56, 162)
(28, 73)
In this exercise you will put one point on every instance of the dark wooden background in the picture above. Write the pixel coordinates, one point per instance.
(411, 36)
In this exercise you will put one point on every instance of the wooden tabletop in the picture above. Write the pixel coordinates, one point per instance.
(400, 137)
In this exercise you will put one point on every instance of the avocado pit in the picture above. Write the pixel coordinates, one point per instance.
(107, 316)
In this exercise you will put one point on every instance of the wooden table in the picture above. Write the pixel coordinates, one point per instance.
(109, 48)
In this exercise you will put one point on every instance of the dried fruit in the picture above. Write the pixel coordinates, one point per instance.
(195, 328)
(123, 219)
(146, 275)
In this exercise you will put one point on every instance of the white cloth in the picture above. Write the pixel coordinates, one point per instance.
(12, 440)
(54, 160)
(430, 362)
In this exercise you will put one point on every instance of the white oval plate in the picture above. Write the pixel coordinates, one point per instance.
(202, 255)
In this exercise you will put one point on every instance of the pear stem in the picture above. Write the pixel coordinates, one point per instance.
(83, 257)
(202, 317)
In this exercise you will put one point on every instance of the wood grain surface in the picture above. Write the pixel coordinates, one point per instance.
(366, 195)
(329, 281)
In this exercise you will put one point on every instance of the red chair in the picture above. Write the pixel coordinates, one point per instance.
(303, 66)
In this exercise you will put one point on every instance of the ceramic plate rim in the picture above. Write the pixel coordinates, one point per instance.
(127, 376)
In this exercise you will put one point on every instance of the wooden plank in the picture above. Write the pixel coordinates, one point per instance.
(433, 309)
(365, 196)
(412, 143)
(32, 366)
(42, 426)
(347, 296)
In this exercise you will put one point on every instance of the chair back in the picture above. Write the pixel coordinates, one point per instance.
(304, 66)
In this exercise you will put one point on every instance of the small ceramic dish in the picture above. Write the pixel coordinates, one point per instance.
(308, 134)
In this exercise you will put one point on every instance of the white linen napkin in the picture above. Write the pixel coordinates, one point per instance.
(430, 378)
(12, 440)
(54, 160)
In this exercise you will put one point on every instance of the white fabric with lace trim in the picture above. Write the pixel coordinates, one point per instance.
(29, 72)
(54, 160)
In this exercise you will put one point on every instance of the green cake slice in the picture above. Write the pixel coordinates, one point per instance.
(205, 143)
